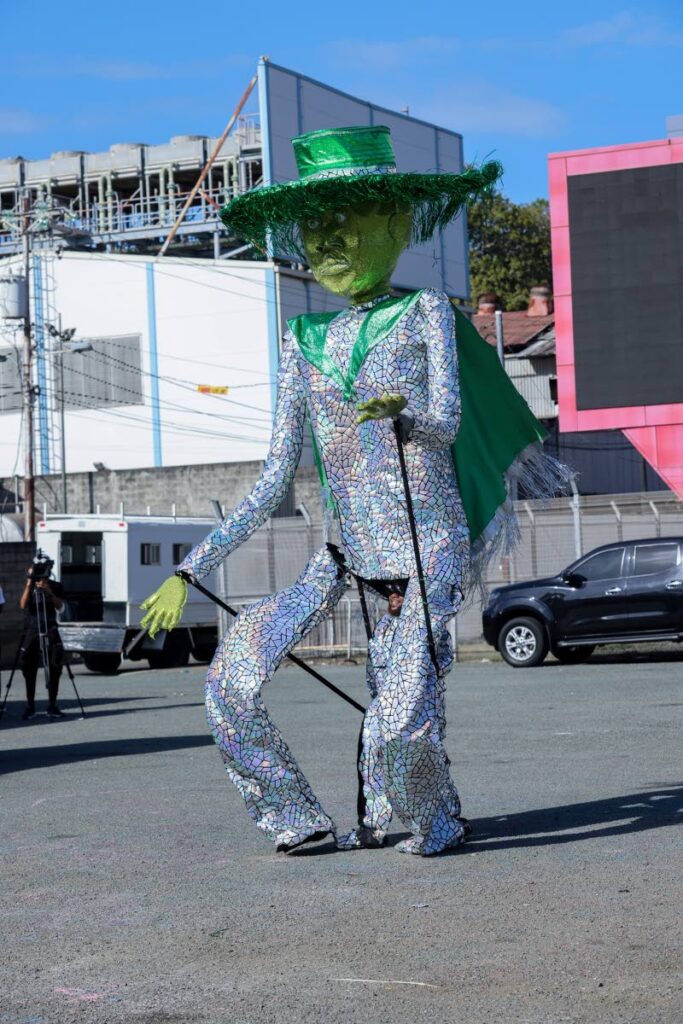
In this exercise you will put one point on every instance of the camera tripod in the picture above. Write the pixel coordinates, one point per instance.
(43, 631)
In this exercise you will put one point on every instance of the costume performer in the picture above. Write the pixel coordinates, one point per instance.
(414, 360)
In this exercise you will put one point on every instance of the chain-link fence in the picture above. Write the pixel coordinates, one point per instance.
(553, 534)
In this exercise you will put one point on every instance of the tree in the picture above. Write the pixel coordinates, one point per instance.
(509, 248)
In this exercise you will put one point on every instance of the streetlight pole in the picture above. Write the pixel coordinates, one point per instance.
(27, 382)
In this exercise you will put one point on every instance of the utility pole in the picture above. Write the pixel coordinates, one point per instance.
(62, 423)
(27, 382)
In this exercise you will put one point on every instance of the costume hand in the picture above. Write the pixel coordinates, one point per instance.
(165, 606)
(386, 406)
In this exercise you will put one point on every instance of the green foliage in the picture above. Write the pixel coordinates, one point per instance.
(509, 248)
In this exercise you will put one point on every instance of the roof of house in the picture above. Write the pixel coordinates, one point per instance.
(519, 329)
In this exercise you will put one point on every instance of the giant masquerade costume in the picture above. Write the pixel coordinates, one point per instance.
(412, 360)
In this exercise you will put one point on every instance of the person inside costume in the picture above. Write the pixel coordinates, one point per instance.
(349, 376)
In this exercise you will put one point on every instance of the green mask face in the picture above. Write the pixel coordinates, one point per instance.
(354, 251)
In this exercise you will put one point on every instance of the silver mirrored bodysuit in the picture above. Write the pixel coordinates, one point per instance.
(418, 360)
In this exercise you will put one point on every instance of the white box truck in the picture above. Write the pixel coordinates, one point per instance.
(108, 565)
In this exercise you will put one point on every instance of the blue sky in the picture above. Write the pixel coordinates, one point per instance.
(518, 80)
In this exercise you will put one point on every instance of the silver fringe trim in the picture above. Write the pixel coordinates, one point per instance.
(542, 477)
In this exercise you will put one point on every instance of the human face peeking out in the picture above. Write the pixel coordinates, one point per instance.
(353, 251)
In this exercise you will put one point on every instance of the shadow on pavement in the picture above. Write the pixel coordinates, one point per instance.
(635, 812)
(73, 714)
(571, 823)
(27, 758)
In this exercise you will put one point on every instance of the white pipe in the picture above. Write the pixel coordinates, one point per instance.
(576, 514)
(500, 341)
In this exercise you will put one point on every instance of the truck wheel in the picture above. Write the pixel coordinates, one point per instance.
(174, 654)
(573, 655)
(523, 642)
(106, 663)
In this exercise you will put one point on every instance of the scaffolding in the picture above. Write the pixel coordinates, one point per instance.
(127, 198)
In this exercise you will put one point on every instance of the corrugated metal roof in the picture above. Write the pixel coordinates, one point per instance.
(519, 329)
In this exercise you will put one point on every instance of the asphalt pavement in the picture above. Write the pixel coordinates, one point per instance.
(136, 889)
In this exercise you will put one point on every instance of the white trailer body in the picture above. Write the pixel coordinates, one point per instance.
(108, 565)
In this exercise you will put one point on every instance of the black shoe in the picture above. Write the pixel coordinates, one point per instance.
(28, 714)
(54, 712)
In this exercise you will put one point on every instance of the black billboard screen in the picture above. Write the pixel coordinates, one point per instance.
(626, 240)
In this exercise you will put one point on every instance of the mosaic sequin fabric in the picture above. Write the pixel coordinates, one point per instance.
(418, 360)
(255, 754)
(406, 768)
(403, 763)
(388, 642)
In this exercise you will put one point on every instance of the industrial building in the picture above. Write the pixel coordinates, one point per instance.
(128, 197)
(152, 370)
(171, 361)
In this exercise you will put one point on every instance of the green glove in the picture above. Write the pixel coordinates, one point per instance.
(387, 405)
(165, 606)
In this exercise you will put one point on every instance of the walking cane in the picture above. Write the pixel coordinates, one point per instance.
(292, 657)
(416, 543)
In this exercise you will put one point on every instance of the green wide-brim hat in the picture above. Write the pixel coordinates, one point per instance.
(341, 167)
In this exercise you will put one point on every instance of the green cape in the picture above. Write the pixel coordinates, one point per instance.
(497, 427)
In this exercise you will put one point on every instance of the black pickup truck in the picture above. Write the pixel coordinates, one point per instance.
(619, 593)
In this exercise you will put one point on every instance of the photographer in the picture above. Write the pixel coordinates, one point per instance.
(41, 599)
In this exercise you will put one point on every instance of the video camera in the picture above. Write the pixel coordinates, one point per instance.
(41, 567)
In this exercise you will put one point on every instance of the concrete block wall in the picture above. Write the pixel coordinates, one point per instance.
(14, 561)
(190, 488)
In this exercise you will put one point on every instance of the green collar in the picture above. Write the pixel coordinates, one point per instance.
(310, 332)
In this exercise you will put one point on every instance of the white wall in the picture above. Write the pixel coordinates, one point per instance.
(212, 327)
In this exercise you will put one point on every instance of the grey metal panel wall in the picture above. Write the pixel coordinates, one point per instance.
(605, 462)
(298, 104)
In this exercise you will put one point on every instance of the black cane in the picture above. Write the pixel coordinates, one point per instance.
(416, 543)
(292, 657)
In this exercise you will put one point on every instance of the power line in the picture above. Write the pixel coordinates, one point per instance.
(170, 426)
(184, 385)
(165, 404)
(269, 377)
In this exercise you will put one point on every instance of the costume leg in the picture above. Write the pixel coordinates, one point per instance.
(415, 764)
(256, 757)
(374, 808)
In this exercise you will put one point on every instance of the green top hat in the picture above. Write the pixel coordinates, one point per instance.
(341, 167)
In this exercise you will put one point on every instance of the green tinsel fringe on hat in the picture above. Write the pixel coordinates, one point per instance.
(276, 211)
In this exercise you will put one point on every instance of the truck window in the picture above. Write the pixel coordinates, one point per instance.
(651, 558)
(150, 554)
(93, 554)
(605, 565)
(180, 552)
